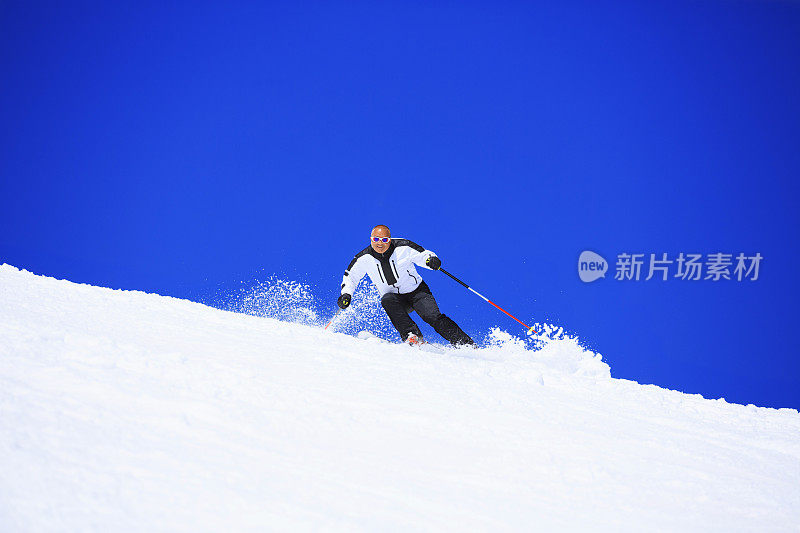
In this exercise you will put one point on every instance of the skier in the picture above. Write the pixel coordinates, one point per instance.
(389, 263)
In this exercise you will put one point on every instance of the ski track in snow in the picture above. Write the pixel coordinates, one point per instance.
(126, 411)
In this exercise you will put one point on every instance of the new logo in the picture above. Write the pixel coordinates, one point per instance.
(591, 266)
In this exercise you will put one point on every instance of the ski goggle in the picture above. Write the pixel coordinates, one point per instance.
(381, 239)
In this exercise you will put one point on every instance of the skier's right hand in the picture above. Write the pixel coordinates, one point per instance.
(344, 301)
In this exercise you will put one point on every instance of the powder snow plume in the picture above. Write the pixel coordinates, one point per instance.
(294, 301)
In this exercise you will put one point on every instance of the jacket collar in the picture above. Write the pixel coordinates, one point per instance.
(385, 255)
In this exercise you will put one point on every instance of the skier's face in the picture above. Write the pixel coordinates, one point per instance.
(381, 233)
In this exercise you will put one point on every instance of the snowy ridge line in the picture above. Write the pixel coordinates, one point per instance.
(123, 411)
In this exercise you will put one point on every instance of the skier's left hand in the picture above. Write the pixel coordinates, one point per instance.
(434, 262)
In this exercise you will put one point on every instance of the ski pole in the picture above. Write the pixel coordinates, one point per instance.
(530, 329)
(334, 316)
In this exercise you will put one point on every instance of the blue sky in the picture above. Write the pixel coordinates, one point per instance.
(183, 149)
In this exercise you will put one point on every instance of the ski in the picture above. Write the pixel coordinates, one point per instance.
(424, 346)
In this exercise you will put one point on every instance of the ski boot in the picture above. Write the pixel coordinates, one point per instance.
(413, 340)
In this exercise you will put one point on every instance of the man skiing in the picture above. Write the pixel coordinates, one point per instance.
(390, 264)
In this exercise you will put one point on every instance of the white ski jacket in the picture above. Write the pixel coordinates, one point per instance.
(392, 271)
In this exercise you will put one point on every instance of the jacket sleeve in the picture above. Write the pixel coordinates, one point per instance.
(417, 254)
(355, 271)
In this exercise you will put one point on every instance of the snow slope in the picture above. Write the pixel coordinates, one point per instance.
(129, 411)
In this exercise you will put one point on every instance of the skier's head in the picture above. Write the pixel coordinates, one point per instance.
(380, 232)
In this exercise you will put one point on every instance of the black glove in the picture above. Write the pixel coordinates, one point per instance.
(434, 262)
(344, 301)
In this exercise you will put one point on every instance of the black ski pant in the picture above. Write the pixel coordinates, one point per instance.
(397, 306)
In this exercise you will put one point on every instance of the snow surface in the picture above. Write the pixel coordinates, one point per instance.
(126, 411)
